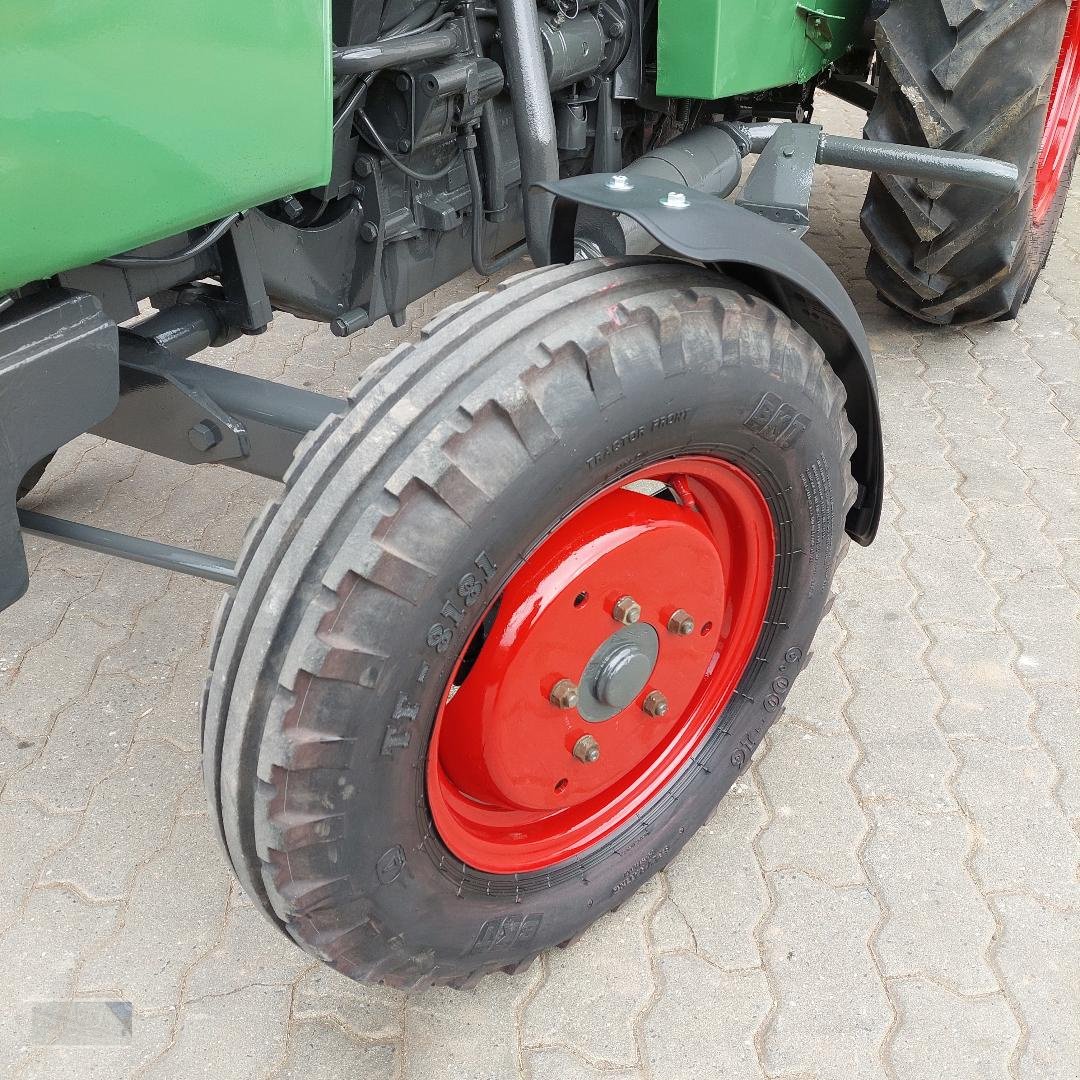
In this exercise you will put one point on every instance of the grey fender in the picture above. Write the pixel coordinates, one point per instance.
(771, 261)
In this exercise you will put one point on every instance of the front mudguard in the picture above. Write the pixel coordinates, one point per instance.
(769, 259)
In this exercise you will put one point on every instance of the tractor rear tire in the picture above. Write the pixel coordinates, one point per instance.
(445, 558)
(977, 78)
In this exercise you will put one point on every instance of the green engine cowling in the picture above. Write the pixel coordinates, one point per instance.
(719, 48)
(126, 121)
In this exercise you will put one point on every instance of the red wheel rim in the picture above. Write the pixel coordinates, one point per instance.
(506, 791)
(1062, 120)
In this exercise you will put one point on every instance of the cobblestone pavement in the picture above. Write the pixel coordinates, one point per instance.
(891, 890)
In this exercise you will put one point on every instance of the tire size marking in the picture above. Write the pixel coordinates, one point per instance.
(398, 735)
(679, 416)
(469, 589)
(777, 422)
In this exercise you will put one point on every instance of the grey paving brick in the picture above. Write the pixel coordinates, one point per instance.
(175, 916)
(721, 920)
(942, 1034)
(709, 1032)
(367, 1012)
(805, 778)
(594, 1016)
(127, 819)
(832, 1012)
(562, 1065)
(320, 1050)
(468, 1034)
(28, 836)
(1024, 841)
(937, 923)
(1039, 955)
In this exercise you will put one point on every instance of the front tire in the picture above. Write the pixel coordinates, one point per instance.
(454, 509)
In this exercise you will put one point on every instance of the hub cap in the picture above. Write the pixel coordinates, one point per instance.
(508, 791)
(1062, 119)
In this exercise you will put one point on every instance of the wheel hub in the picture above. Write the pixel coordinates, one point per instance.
(617, 672)
(593, 684)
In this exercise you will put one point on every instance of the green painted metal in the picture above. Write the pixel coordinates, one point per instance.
(126, 121)
(717, 48)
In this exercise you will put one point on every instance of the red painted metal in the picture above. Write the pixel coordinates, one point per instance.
(506, 793)
(1062, 119)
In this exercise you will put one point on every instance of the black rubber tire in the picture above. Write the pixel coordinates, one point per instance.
(477, 441)
(972, 77)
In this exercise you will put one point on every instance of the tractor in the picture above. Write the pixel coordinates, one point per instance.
(529, 598)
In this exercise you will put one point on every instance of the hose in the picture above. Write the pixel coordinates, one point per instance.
(480, 265)
(137, 262)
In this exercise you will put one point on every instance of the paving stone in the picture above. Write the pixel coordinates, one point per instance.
(942, 1034)
(1039, 955)
(716, 882)
(368, 1012)
(320, 1050)
(128, 817)
(562, 1065)
(937, 923)
(1023, 839)
(805, 779)
(87, 741)
(465, 1034)
(710, 1029)
(240, 1035)
(594, 1016)
(832, 1012)
(984, 695)
(174, 916)
(28, 836)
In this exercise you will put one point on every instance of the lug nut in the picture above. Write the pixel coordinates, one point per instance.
(655, 704)
(618, 182)
(681, 623)
(675, 200)
(626, 610)
(564, 695)
(587, 750)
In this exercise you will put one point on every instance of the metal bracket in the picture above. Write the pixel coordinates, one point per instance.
(818, 25)
(778, 187)
(158, 395)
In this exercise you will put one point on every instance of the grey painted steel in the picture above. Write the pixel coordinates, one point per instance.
(897, 159)
(617, 672)
(180, 560)
(778, 187)
(165, 397)
(534, 118)
(707, 159)
(57, 379)
(393, 53)
(947, 166)
(768, 259)
(184, 329)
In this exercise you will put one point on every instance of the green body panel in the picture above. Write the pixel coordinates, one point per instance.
(717, 48)
(126, 121)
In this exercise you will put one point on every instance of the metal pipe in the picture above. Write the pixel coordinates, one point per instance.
(707, 160)
(395, 52)
(898, 159)
(107, 542)
(948, 166)
(534, 118)
(183, 329)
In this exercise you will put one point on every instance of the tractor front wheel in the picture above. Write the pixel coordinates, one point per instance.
(522, 616)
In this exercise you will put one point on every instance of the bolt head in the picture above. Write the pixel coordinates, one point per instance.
(626, 610)
(564, 694)
(681, 623)
(204, 436)
(655, 704)
(587, 750)
(675, 200)
(618, 182)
